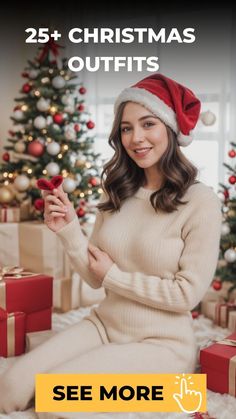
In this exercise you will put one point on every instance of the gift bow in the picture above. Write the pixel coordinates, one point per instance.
(14, 272)
(49, 185)
(225, 341)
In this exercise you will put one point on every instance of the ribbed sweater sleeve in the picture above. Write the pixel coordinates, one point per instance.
(76, 245)
(197, 265)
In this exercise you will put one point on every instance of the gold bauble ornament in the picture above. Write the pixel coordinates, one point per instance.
(80, 163)
(6, 195)
(231, 213)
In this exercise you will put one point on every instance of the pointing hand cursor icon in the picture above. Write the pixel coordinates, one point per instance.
(189, 401)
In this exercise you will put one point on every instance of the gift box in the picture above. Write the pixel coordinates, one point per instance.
(222, 311)
(44, 253)
(9, 244)
(12, 333)
(9, 214)
(31, 294)
(232, 321)
(37, 338)
(31, 244)
(218, 361)
(66, 294)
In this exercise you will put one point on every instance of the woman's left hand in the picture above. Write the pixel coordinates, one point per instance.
(99, 262)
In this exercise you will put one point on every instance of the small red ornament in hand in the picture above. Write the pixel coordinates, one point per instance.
(39, 204)
(49, 185)
(217, 285)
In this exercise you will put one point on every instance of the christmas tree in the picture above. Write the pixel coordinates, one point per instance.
(50, 136)
(226, 270)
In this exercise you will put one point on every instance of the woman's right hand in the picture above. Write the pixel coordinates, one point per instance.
(58, 210)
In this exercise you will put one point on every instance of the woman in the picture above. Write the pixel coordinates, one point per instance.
(154, 249)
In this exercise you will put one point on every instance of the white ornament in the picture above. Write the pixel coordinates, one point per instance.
(70, 109)
(18, 115)
(40, 122)
(33, 74)
(225, 229)
(67, 100)
(52, 169)
(69, 131)
(20, 147)
(69, 185)
(53, 148)
(208, 118)
(230, 255)
(43, 104)
(21, 183)
(58, 82)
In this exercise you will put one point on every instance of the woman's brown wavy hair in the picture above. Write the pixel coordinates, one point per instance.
(121, 177)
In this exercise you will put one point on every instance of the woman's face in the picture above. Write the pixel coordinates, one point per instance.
(143, 135)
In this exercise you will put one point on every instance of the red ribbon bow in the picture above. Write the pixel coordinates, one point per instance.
(50, 45)
(49, 185)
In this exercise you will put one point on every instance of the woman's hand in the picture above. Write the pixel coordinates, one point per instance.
(99, 262)
(58, 210)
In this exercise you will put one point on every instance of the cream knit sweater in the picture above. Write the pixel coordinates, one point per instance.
(163, 265)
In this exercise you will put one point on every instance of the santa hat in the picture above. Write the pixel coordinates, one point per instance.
(174, 104)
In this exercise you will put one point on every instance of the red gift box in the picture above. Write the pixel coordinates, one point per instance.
(218, 361)
(30, 294)
(12, 333)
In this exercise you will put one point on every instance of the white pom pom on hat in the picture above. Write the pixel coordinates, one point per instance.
(176, 105)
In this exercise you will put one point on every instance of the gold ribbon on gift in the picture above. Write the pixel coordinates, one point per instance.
(232, 366)
(11, 335)
(10, 272)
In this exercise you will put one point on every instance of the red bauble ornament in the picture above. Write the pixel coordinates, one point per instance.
(82, 202)
(82, 90)
(58, 118)
(226, 193)
(232, 179)
(6, 156)
(195, 314)
(90, 124)
(35, 148)
(16, 108)
(217, 285)
(81, 108)
(93, 181)
(25, 74)
(39, 204)
(80, 212)
(77, 127)
(232, 153)
(26, 88)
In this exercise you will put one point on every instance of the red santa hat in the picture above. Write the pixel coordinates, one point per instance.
(174, 104)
